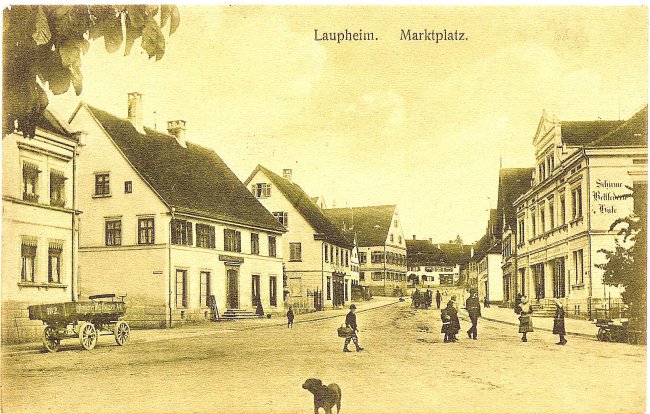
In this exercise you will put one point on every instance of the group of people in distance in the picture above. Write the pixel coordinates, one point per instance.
(451, 322)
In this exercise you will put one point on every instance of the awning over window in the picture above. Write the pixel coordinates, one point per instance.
(57, 175)
(56, 245)
(29, 241)
(28, 167)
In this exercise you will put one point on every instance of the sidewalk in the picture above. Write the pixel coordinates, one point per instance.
(210, 328)
(508, 316)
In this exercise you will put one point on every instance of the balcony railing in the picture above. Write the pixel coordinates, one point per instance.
(31, 197)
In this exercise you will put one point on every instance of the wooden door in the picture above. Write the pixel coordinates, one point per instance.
(232, 280)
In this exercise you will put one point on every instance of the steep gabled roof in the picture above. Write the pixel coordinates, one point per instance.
(370, 223)
(582, 133)
(51, 122)
(310, 211)
(424, 253)
(456, 253)
(513, 182)
(193, 180)
(632, 133)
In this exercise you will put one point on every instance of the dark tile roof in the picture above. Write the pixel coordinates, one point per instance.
(310, 211)
(513, 182)
(192, 180)
(632, 133)
(456, 253)
(48, 121)
(370, 223)
(424, 253)
(581, 133)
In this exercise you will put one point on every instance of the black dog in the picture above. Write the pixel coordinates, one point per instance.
(324, 396)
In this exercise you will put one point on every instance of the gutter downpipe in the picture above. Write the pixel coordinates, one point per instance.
(169, 275)
(75, 273)
(584, 153)
(322, 274)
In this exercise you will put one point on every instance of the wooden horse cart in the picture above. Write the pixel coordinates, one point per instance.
(86, 320)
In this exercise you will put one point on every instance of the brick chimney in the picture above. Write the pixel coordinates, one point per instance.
(286, 173)
(135, 111)
(177, 130)
(414, 237)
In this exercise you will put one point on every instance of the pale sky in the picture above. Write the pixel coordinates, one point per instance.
(417, 124)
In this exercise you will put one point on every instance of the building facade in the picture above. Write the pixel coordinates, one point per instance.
(39, 224)
(381, 244)
(170, 225)
(585, 176)
(319, 262)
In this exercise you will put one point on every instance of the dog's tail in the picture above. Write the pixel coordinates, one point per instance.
(338, 397)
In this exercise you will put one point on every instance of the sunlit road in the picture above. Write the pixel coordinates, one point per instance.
(406, 368)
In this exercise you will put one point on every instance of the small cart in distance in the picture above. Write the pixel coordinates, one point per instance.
(85, 320)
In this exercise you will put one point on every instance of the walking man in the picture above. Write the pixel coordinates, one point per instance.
(438, 299)
(351, 322)
(473, 307)
(290, 317)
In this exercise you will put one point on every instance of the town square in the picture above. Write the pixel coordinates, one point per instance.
(326, 217)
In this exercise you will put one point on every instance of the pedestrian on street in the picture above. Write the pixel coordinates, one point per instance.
(525, 318)
(518, 303)
(351, 322)
(290, 317)
(486, 302)
(558, 322)
(450, 321)
(473, 307)
(438, 299)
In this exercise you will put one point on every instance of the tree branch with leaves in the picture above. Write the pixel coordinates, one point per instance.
(43, 46)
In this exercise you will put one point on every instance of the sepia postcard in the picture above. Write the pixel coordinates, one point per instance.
(328, 209)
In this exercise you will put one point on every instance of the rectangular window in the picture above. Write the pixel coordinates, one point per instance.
(204, 293)
(327, 257)
(113, 232)
(578, 267)
(128, 187)
(181, 288)
(30, 182)
(272, 247)
(576, 198)
(542, 171)
(295, 252)
(102, 184)
(329, 288)
(255, 243)
(347, 257)
(562, 211)
(54, 264)
(377, 257)
(205, 236)
(533, 223)
(146, 231)
(28, 253)
(255, 290)
(273, 291)
(551, 215)
(522, 232)
(338, 260)
(282, 217)
(57, 188)
(182, 232)
(392, 238)
(231, 240)
(261, 190)
(542, 218)
(331, 253)
(362, 275)
(377, 276)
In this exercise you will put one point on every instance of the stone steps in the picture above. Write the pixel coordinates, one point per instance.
(236, 314)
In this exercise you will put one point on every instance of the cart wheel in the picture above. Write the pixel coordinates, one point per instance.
(121, 332)
(87, 335)
(51, 342)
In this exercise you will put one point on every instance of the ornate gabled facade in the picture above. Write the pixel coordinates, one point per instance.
(583, 181)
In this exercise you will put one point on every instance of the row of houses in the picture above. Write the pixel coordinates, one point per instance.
(545, 237)
(122, 208)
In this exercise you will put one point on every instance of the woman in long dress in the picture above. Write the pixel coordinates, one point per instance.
(558, 322)
(525, 318)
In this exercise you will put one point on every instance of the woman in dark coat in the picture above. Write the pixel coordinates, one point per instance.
(290, 317)
(525, 319)
(451, 323)
(558, 322)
